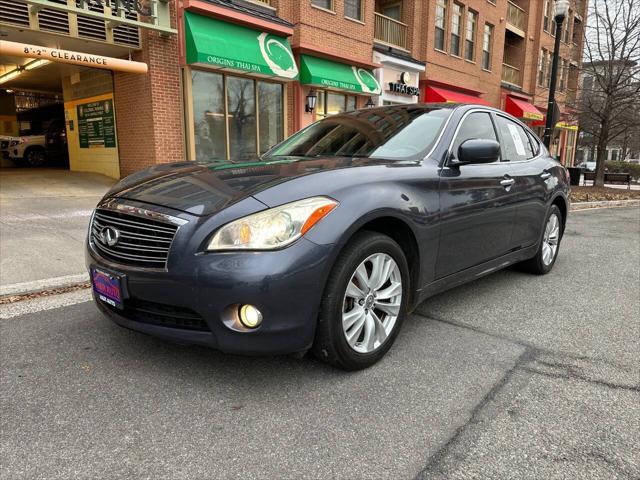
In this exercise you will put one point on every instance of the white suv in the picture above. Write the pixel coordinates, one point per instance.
(28, 150)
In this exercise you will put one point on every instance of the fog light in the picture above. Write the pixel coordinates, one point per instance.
(250, 316)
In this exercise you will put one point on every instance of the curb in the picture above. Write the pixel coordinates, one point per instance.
(77, 281)
(37, 286)
(577, 206)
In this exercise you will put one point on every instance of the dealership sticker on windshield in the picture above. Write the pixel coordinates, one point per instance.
(107, 287)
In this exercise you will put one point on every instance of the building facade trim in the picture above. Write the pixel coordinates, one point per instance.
(234, 16)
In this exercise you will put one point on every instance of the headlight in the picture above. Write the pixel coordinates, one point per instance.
(273, 228)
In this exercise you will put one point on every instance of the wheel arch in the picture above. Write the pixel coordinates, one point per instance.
(401, 232)
(561, 202)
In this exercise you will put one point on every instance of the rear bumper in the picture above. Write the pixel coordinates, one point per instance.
(285, 285)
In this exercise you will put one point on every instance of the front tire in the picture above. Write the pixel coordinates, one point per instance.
(35, 157)
(547, 253)
(364, 303)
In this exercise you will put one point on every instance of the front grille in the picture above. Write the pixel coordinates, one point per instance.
(160, 314)
(143, 242)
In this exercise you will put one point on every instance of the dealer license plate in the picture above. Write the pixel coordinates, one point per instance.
(108, 287)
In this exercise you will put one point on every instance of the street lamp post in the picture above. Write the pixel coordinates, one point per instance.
(560, 13)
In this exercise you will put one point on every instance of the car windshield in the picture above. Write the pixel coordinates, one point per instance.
(400, 133)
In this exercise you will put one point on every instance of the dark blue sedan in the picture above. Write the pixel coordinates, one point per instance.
(328, 240)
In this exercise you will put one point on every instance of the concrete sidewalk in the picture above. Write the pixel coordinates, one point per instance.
(44, 215)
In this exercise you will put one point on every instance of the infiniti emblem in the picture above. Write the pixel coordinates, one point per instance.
(110, 236)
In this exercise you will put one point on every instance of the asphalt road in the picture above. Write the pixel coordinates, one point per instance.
(45, 212)
(512, 376)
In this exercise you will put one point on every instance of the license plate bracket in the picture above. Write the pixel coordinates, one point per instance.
(107, 287)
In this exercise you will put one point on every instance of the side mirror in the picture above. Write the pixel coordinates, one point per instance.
(478, 151)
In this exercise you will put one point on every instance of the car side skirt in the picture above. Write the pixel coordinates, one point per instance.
(474, 273)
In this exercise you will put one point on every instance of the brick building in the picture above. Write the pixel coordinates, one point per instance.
(230, 78)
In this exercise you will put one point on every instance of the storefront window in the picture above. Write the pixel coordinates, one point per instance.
(254, 113)
(208, 113)
(242, 117)
(270, 114)
(331, 103)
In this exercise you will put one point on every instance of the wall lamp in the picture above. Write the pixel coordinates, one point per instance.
(312, 100)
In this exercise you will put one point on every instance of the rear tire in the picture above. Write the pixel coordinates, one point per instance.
(549, 248)
(369, 286)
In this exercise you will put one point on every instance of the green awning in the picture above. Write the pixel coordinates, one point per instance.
(323, 73)
(233, 47)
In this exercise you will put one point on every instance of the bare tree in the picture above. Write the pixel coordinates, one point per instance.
(610, 96)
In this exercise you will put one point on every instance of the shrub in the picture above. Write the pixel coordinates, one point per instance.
(624, 167)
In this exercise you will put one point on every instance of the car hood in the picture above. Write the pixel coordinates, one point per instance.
(204, 188)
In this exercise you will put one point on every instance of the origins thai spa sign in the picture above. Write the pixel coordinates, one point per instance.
(234, 47)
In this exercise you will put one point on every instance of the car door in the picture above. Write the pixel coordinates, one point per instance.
(528, 166)
(476, 203)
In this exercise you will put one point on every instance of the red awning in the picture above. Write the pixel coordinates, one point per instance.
(522, 109)
(444, 95)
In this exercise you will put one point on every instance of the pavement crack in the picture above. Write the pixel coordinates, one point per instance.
(540, 351)
(525, 363)
(474, 418)
(572, 375)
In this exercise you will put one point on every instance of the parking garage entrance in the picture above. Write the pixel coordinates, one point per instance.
(57, 109)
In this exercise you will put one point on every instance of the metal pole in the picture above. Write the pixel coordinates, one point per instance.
(548, 130)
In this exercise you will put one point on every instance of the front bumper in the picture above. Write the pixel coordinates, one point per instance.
(285, 285)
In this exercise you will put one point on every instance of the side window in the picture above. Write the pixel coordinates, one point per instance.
(535, 144)
(516, 144)
(477, 125)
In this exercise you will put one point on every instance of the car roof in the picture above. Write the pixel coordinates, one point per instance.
(430, 106)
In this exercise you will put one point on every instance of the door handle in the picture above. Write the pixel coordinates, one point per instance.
(507, 182)
(545, 175)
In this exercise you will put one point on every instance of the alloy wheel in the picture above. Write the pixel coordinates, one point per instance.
(551, 239)
(372, 303)
(36, 158)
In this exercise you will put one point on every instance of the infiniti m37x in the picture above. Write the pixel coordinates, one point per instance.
(328, 240)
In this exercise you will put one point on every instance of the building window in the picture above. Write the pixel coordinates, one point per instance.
(562, 76)
(326, 4)
(441, 22)
(487, 43)
(456, 29)
(235, 117)
(332, 103)
(546, 15)
(270, 115)
(353, 9)
(542, 68)
(566, 26)
(577, 31)
(470, 42)
(393, 11)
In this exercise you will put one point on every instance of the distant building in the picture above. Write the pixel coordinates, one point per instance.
(230, 78)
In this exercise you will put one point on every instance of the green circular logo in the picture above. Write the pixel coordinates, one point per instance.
(367, 81)
(278, 56)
